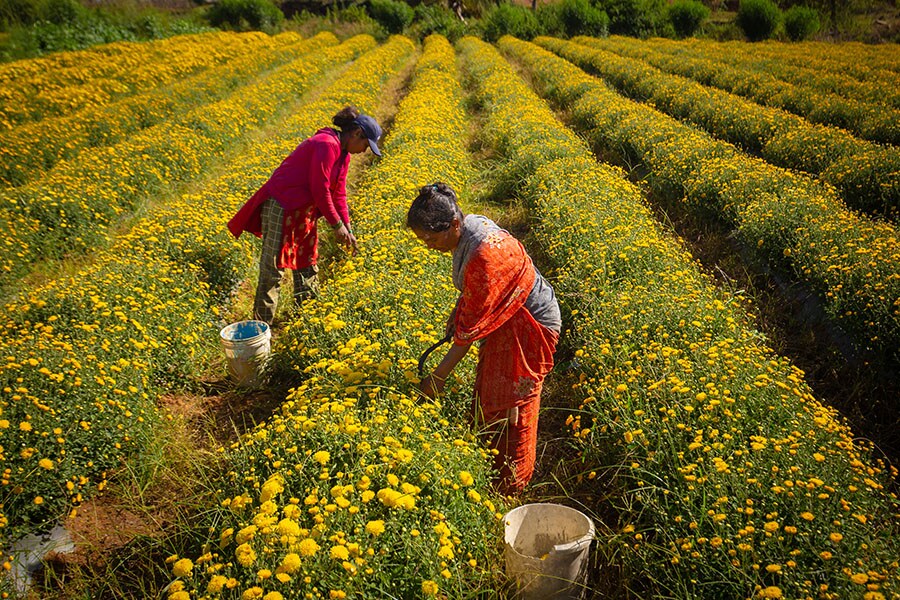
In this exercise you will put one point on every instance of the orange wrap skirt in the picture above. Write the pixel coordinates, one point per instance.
(512, 364)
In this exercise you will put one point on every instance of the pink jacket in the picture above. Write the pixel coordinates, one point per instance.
(315, 173)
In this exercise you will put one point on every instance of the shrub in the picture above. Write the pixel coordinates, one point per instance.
(394, 16)
(639, 18)
(580, 17)
(548, 16)
(18, 12)
(686, 16)
(63, 12)
(435, 18)
(244, 15)
(758, 19)
(800, 22)
(512, 20)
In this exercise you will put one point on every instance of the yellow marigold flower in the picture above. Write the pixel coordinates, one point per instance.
(273, 596)
(826, 555)
(288, 527)
(340, 553)
(216, 583)
(25, 426)
(183, 568)
(446, 574)
(375, 527)
(46, 463)
(290, 563)
(337, 594)
(253, 593)
(307, 547)
(771, 526)
(773, 568)
(808, 516)
(859, 578)
(466, 478)
(430, 588)
(873, 596)
(835, 537)
(772, 591)
(180, 595)
(263, 574)
(245, 555)
(473, 496)
(322, 457)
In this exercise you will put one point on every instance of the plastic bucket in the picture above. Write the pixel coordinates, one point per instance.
(246, 346)
(547, 548)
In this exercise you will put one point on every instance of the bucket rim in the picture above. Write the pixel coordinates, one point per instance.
(264, 326)
(570, 546)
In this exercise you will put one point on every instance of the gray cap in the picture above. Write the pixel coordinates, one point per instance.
(372, 130)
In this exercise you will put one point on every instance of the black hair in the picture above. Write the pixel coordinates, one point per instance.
(345, 119)
(434, 209)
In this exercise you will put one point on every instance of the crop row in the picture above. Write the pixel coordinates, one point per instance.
(866, 62)
(783, 220)
(99, 78)
(872, 121)
(866, 174)
(28, 151)
(733, 480)
(85, 357)
(69, 211)
(881, 89)
(354, 489)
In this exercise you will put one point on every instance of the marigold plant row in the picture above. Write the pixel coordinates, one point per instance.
(85, 357)
(866, 174)
(355, 489)
(870, 119)
(68, 211)
(37, 88)
(28, 151)
(735, 482)
(790, 223)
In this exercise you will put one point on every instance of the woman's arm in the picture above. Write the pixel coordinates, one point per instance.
(433, 385)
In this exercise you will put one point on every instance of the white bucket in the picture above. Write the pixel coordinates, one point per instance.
(547, 548)
(246, 346)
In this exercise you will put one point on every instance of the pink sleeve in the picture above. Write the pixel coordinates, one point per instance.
(340, 194)
(320, 167)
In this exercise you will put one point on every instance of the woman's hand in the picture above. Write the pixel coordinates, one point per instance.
(345, 238)
(431, 386)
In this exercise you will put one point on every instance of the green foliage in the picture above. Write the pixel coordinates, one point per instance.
(580, 17)
(61, 12)
(37, 27)
(687, 16)
(436, 18)
(245, 15)
(506, 19)
(800, 22)
(640, 18)
(758, 19)
(394, 16)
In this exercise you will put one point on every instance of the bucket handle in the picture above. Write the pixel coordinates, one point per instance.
(577, 545)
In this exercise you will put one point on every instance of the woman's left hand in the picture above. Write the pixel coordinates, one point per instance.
(431, 386)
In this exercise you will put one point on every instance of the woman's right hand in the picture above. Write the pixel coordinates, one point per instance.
(345, 238)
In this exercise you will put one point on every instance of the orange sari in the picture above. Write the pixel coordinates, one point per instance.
(516, 353)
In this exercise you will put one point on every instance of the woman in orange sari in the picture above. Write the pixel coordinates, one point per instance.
(507, 306)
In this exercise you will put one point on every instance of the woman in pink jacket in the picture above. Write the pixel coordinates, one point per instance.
(310, 183)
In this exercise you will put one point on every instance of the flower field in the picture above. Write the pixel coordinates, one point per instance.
(723, 475)
(865, 173)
